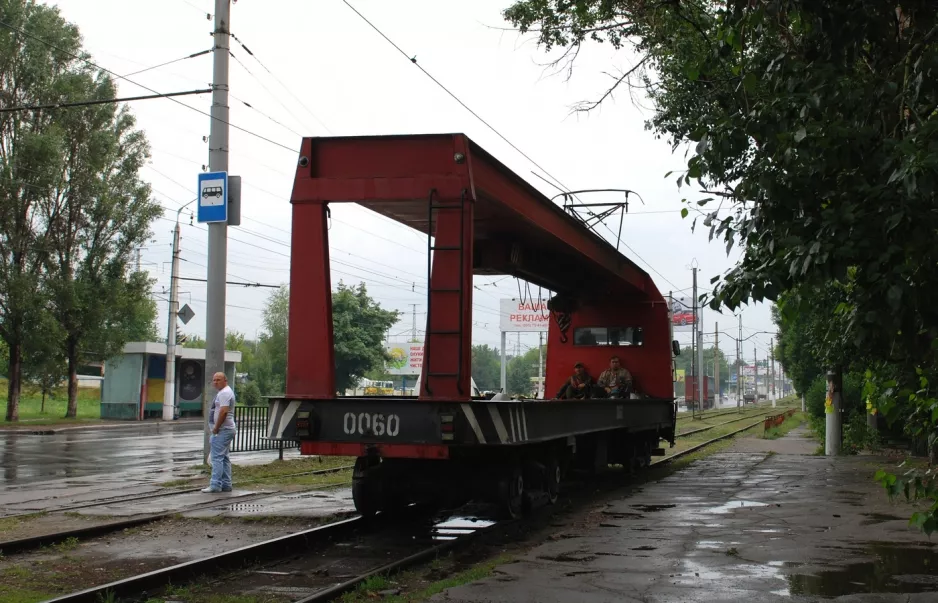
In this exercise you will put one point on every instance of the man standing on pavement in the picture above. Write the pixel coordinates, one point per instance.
(221, 422)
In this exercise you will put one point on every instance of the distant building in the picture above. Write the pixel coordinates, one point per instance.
(134, 381)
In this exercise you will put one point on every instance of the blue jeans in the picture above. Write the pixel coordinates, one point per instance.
(221, 464)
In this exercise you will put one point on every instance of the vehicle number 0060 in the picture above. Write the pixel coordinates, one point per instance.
(364, 423)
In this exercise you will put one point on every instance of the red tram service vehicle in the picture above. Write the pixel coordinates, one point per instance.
(447, 445)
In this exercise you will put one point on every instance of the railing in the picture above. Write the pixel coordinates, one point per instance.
(251, 435)
(776, 420)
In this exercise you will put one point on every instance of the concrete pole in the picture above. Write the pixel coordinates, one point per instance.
(540, 365)
(701, 369)
(772, 368)
(693, 347)
(217, 231)
(169, 384)
(833, 407)
(504, 373)
(716, 364)
(755, 362)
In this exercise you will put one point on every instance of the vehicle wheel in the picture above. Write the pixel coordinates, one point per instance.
(511, 493)
(552, 480)
(683, 322)
(366, 486)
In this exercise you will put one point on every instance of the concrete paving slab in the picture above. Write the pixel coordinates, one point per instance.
(310, 504)
(163, 504)
(765, 521)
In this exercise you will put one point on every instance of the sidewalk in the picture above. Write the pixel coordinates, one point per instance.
(765, 521)
(54, 428)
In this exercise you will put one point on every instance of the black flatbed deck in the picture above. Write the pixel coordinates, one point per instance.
(407, 420)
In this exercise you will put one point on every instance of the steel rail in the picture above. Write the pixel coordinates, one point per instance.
(119, 499)
(34, 542)
(709, 427)
(176, 574)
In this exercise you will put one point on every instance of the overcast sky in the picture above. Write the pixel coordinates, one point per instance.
(342, 78)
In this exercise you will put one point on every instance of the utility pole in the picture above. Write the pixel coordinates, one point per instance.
(413, 328)
(755, 362)
(217, 231)
(716, 364)
(540, 364)
(739, 374)
(833, 407)
(503, 369)
(138, 258)
(693, 347)
(772, 368)
(700, 365)
(169, 383)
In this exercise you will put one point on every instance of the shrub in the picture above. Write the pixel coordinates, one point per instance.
(250, 394)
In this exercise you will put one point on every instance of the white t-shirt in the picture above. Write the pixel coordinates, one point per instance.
(224, 397)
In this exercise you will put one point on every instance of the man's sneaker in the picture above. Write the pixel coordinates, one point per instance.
(210, 490)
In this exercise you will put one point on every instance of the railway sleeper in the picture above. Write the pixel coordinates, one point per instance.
(517, 479)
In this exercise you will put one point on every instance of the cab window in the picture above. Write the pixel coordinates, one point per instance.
(608, 336)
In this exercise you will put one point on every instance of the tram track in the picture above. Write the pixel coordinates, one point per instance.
(34, 542)
(709, 427)
(285, 561)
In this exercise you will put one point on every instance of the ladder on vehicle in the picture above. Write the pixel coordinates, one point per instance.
(435, 206)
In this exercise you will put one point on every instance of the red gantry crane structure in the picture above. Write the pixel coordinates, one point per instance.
(479, 218)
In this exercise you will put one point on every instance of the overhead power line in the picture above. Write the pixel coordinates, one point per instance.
(204, 280)
(282, 85)
(126, 79)
(413, 59)
(103, 101)
(191, 56)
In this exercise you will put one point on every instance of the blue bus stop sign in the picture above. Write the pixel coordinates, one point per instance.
(213, 197)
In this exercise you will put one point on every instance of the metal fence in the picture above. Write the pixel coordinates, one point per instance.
(251, 435)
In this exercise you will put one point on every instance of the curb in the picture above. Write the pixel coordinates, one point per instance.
(54, 429)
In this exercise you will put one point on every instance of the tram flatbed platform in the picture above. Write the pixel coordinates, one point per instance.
(407, 420)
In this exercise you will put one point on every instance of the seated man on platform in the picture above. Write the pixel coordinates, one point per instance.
(578, 386)
(616, 380)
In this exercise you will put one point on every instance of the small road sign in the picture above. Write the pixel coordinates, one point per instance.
(185, 314)
(213, 197)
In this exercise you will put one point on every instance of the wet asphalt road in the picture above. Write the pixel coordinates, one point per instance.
(43, 472)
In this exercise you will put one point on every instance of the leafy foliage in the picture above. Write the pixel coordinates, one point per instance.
(359, 325)
(811, 126)
(73, 204)
(249, 393)
(519, 372)
(486, 367)
(813, 123)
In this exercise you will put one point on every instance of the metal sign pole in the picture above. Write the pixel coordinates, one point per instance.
(217, 231)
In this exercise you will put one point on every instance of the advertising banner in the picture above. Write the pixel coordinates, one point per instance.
(682, 314)
(528, 316)
(679, 374)
(406, 358)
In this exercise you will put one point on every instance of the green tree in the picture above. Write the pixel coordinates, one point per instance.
(271, 358)
(34, 70)
(811, 123)
(520, 371)
(192, 341)
(102, 210)
(359, 325)
(44, 362)
(486, 367)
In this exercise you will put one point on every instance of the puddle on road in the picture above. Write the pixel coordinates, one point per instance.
(733, 505)
(652, 508)
(874, 518)
(894, 569)
(455, 526)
